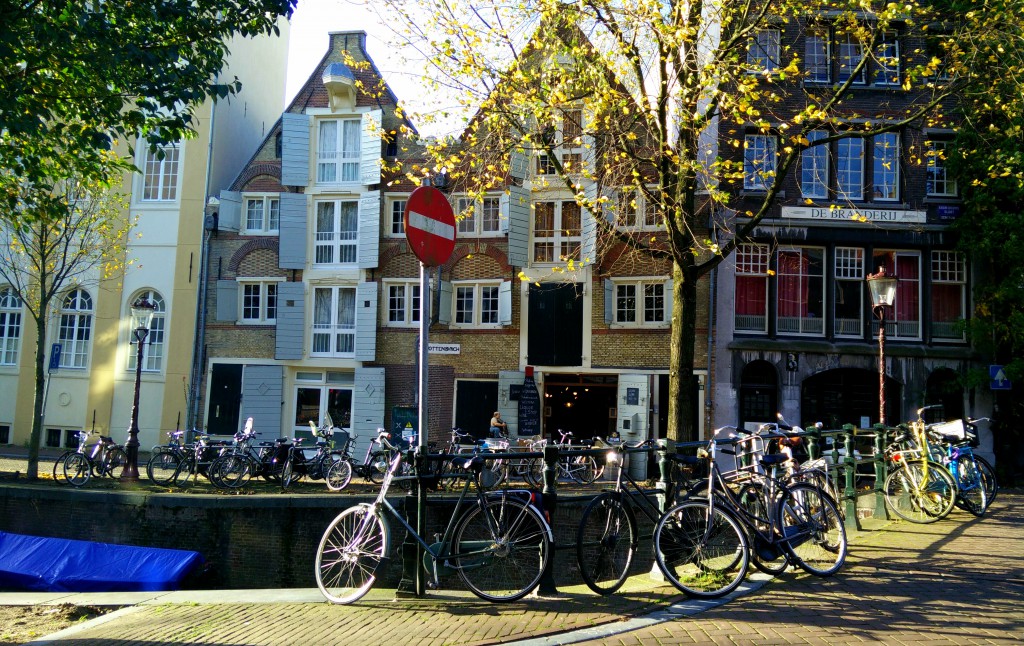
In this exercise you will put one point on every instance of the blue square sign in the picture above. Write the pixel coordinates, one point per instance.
(998, 378)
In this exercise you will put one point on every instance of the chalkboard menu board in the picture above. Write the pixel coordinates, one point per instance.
(529, 408)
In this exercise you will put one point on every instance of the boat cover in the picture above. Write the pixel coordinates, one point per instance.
(64, 565)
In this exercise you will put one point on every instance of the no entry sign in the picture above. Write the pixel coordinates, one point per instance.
(430, 226)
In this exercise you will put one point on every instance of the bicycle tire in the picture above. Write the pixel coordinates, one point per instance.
(910, 498)
(58, 467)
(693, 542)
(766, 553)
(339, 475)
(189, 470)
(583, 469)
(288, 474)
(812, 530)
(606, 542)
(501, 548)
(535, 472)
(988, 480)
(970, 493)
(161, 467)
(113, 458)
(77, 469)
(230, 471)
(349, 553)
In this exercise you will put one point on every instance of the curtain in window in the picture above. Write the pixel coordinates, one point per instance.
(751, 297)
(793, 284)
(908, 299)
(327, 152)
(947, 303)
(346, 320)
(351, 134)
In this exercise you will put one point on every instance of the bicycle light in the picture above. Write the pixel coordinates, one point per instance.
(612, 457)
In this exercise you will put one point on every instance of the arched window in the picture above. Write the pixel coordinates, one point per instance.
(153, 355)
(10, 326)
(75, 329)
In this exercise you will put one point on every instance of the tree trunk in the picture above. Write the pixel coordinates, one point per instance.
(681, 402)
(32, 473)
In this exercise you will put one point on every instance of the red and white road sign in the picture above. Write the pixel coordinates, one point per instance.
(430, 226)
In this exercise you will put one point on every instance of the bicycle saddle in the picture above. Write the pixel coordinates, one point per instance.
(474, 463)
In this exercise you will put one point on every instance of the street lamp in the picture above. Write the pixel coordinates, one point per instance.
(142, 315)
(883, 294)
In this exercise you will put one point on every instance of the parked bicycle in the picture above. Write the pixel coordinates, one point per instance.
(372, 467)
(297, 466)
(950, 443)
(104, 457)
(917, 488)
(498, 543)
(195, 462)
(578, 468)
(703, 545)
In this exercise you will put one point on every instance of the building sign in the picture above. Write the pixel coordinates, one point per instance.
(881, 216)
(529, 406)
(444, 348)
(632, 396)
(946, 212)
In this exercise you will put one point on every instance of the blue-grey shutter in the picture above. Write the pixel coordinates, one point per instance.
(227, 300)
(367, 403)
(295, 149)
(291, 320)
(262, 398)
(444, 306)
(589, 227)
(518, 165)
(668, 299)
(369, 229)
(609, 301)
(293, 236)
(516, 209)
(366, 321)
(369, 164)
(229, 213)
(505, 303)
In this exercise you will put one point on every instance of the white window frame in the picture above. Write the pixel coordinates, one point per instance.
(818, 55)
(886, 165)
(338, 328)
(269, 220)
(160, 177)
(266, 305)
(402, 297)
(764, 51)
(887, 61)
(805, 324)
(752, 260)
(396, 216)
(848, 269)
(642, 298)
(948, 267)
(156, 339)
(850, 51)
(339, 381)
(896, 328)
(473, 316)
(814, 168)
(74, 328)
(936, 172)
(850, 169)
(632, 212)
(10, 326)
(329, 246)
(333, 165)
(564, 246)
(760, 161)
(567, 147)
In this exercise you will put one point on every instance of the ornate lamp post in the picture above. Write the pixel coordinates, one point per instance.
(142, 314)
(883, 294)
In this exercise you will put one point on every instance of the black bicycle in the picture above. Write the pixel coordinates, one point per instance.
(102, 460)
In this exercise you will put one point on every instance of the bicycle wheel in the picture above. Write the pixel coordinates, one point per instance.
(161, 467)
(812, 530)
(766, 553)
(113, 459)
(988, 479)
(232, 471)
(605, 543)
(535, 472)
(500, 548)
(288, 474)
(77, 469)
(339, 475)
(912, 498)
(701, 550)
(583, 469)
(377, 467)
(187, 474)
(58, 467)
(353, 546)
(970, 493)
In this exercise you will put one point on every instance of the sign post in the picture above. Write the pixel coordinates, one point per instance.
(430, 229)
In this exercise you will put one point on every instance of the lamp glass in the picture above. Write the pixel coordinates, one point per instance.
(883, 290)
(142, 313)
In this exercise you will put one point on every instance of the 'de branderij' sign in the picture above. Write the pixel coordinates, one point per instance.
(823, 213)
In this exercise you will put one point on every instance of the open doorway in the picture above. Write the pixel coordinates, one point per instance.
(582, 404)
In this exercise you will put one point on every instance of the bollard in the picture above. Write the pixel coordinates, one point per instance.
(549, 500)
(410, 550)
(850, 468)
(665, 484)
(814, 443)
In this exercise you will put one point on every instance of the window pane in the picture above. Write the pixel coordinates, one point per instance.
(625, 303)
(816, 53)
(464, 305)
(654, 303)
(491, 214)
(814, 168)
(489, 304)
(850, 169)
(886, 167)
(758, 162)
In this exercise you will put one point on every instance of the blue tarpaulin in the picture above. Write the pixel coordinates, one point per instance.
(63, 565)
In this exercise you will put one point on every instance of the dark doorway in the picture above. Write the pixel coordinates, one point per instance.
(845, 395)
(944, 388)
(581, 404)
(688, 433)
(555, 325)
(475, 402)
(759, 393)
(225, 397)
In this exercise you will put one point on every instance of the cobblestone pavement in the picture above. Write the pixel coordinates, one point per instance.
(958, 581)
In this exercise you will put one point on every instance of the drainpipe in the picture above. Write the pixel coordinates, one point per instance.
(712, 296)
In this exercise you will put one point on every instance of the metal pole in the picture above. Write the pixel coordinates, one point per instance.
(421, 443)
(131, 448)
(881, 364)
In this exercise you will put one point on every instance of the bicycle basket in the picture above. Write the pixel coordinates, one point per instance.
(956, 431)
(341, 440)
